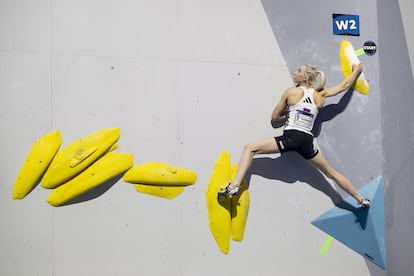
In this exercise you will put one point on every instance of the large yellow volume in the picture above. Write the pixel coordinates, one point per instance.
(104, 169)
(158, 173)
(77, 156)
(219, 208)
(36, 163)
(348, 57)
(240, 205)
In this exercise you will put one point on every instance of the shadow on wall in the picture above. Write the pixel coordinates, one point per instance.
(330, 111)
(95, 192)
(291, 167)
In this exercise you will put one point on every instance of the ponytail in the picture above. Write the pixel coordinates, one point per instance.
(322, 81)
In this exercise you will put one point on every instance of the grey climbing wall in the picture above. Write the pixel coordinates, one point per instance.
(397, 87)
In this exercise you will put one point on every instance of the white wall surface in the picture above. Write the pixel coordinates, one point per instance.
(184, 80)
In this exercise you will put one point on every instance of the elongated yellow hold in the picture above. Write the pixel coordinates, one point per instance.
(158, 173)
(240, 205)
(348, 57)
(168, 192)
(219, 208)
(77, 156)
(37, 161)
(104, 169)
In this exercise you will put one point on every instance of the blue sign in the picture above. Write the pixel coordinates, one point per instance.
(345, 24)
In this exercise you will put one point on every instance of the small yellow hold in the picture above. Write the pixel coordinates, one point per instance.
(168, 192)
(158, 173)
(348, 57)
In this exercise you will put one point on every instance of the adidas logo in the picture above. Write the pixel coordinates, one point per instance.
(307, 100)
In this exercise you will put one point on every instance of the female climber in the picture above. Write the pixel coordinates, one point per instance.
(299, 106)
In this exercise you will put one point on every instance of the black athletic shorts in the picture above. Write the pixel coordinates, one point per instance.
(295, 140)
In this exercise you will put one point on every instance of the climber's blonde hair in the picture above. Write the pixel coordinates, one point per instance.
(313, 76)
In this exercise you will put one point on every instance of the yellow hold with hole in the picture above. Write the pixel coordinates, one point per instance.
(227, 215)
(219, 208)
(168, 192)
(77, 156)
(158, 173)
(240, 205)
(37, 161)
(104, 169)
(348, 57)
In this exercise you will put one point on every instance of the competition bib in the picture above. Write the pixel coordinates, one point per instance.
(304, 118)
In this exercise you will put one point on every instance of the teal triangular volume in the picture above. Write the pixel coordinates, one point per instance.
(360, 229)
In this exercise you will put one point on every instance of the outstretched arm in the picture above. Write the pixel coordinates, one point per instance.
(345, 84)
